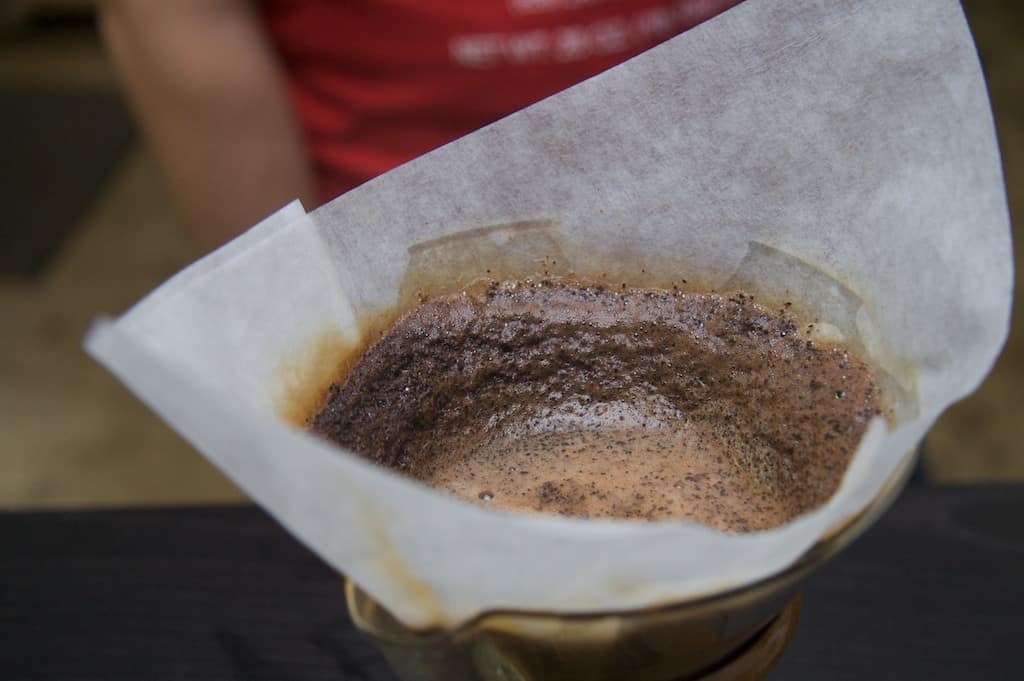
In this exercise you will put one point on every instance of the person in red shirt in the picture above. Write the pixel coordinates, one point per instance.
(248, 105)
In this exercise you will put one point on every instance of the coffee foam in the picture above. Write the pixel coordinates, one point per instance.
(630, 403)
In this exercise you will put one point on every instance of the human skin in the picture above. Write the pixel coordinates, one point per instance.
(210, 98)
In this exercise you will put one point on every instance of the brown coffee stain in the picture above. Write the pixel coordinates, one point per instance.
(304, 379)
(388, 562)
(304, 376)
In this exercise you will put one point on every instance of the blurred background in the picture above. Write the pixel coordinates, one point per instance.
(87, 229)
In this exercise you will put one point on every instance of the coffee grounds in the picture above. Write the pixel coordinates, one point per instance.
(593, 402)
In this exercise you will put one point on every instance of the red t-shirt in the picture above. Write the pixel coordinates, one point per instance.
(378, 82)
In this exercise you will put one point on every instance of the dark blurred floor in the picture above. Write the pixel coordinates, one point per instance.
(72, 436)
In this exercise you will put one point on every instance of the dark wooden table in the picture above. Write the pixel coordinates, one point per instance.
(934, 591)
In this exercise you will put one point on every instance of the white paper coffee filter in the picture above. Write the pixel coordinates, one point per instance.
(841, 151)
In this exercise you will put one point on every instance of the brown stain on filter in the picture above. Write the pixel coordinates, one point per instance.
(305, 375)
(388, 561)
(303, 379)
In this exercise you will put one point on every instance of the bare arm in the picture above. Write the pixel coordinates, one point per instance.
(211, 100)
